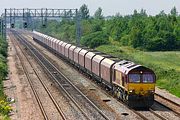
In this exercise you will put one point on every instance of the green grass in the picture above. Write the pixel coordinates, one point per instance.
(4, 117)
(4, 104)
(165, 64)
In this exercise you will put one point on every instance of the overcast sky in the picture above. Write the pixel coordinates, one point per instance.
(110, 7)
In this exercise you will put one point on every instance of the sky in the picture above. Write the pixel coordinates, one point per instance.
(109, 7)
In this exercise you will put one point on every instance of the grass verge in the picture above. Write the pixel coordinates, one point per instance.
(4, 104)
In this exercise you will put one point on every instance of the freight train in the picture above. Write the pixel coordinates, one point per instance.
(132, 83)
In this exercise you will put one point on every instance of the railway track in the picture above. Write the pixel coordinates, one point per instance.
(175, 107)
(32, 85)
(143, 115)
(159, 116)
(152, 111)
(136, 112)
(86, 106)
(149, 111)
(163, 112)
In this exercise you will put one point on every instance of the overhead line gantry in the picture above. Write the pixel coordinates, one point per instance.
(28, 15)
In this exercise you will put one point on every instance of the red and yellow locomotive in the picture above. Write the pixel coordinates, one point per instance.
(134, 84)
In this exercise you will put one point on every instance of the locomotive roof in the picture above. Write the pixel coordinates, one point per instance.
(126, 66)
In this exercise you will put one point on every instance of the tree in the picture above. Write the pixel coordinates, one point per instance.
(98, 14)
(139, 30)
(155, 44)
(135, 12)
(136, 38)
(170, 41)
(143, 12)
(174, 11)
(162, 13)
(95, 39)
(84, 11)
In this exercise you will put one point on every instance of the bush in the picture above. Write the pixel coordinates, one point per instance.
(3, 67)
(3, 47)
(155, 44)
(125, 40)
(4, 107)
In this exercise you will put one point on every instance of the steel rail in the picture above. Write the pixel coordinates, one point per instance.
(169, 101)
(64, 77)
(45, 87)
(51, 66)
(159, 116)
(31, 84)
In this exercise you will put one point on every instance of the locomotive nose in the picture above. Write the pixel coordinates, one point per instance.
(142, 92)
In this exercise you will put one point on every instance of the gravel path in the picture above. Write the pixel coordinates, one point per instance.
(17, 88)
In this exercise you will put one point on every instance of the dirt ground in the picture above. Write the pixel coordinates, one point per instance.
(17, 89)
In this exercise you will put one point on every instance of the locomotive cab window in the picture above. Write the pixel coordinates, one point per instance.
(134, 78)
(148, 78)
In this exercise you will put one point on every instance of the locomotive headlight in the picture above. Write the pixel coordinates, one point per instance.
(151, 91)
(131, 91)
